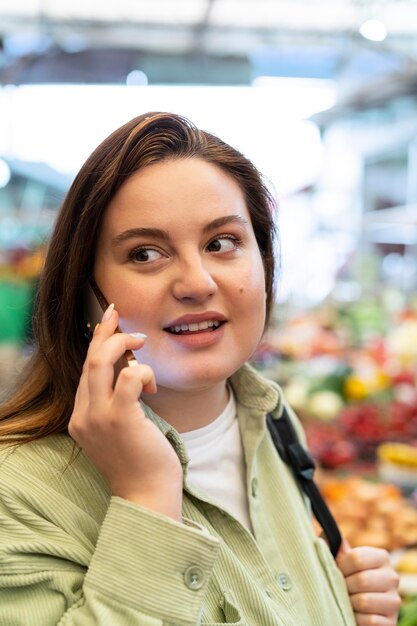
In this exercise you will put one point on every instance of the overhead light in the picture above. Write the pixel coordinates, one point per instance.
(136, 77)
(374, 30)
(20, 44)
(73, 43)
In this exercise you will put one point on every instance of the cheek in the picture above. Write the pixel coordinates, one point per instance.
(129, 302)
(252, 297)
(252, 283)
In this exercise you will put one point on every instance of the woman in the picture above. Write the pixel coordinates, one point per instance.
(175, 228)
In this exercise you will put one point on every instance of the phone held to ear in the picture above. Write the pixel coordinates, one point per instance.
(94, 306)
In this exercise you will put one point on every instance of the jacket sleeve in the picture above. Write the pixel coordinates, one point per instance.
(143, 570)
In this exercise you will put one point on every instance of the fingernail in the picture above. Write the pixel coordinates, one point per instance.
(108, 313)
(139, 335)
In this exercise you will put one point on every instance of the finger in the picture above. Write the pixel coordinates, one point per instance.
(387, 604)
(130, 384)
(101, 361)
(375, 620)
(81, 399)
(373, 580)
(362, 558)
(106, 327)
(116, 345)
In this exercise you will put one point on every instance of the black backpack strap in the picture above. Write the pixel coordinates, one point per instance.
(292, 452)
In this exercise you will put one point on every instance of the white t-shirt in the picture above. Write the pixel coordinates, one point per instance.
(217, 463)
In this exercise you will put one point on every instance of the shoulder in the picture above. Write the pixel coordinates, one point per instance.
(52, 467)
(259, 394)
(44, 458)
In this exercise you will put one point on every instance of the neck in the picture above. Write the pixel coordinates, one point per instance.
(189, 410)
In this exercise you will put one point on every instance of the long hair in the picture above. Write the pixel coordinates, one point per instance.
(43, 401)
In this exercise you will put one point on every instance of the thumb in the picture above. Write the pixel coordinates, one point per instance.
(344, 549)
(345, 546)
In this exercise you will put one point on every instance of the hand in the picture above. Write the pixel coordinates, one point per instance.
(372, 585)
(109, 424)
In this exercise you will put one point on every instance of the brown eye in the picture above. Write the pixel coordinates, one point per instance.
(144, 255)
(222, 244)
(214, 246)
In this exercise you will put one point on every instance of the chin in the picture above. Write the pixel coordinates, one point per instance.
(197, 380)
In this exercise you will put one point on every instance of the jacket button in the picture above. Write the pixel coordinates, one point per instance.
(284, 581)
(194, 577)
(254, 487)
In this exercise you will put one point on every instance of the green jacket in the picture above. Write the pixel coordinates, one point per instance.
(70, 554)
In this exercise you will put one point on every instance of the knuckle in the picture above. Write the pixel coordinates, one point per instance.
(362, 603)
(357, 558)
(74, 427)
(127, 374)
(397, 602)
(147, 371)
(362, 579)
(94, 362)
(384, 555)
(140, 372)
(395, 579)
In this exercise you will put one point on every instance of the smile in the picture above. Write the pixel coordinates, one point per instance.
(195, 327)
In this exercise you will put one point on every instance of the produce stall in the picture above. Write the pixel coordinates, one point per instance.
(19, 271)
(349, 371)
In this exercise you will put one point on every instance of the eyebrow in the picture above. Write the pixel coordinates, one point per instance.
(158, 233)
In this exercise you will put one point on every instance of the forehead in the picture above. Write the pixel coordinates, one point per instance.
(175, 191)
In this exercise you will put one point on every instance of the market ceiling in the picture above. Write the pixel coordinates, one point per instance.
(203, 41)
(215, 25)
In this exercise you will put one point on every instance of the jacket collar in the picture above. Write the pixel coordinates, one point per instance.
(255, 397)
(254, 391)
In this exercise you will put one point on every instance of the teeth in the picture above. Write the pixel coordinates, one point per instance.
(194, 327)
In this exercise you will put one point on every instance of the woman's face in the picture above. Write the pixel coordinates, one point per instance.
(178, 256)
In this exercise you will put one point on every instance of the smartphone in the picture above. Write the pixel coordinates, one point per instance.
(94, 306)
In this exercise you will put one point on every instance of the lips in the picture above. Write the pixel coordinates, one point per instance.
(195, 323)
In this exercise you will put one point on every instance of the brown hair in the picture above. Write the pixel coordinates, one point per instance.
(44, 400)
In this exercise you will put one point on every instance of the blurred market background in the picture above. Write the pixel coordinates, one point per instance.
(322, 96)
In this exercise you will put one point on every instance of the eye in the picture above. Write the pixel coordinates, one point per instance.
(144, 255)
(224, 243)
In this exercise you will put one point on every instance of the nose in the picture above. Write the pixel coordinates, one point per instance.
(193, 281)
